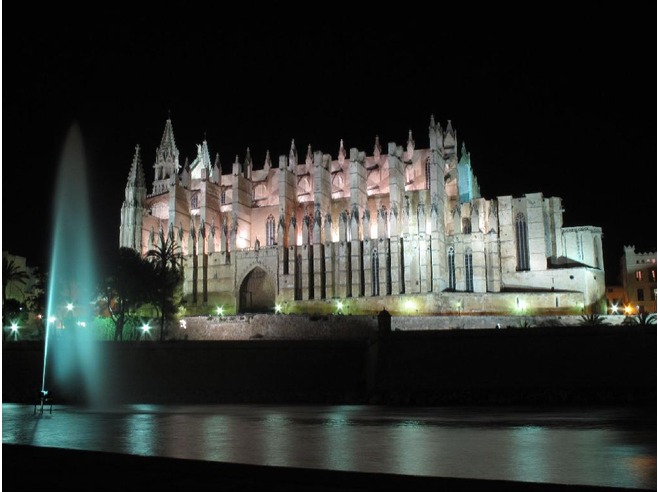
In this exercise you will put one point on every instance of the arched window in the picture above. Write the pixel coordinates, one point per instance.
(466, 225)
(522, 254)
(222, 199)
(451, 268)
(468, 267)
(427, 173)
(270, 231)
(375, 273)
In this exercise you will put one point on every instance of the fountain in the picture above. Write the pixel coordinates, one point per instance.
(71, 353)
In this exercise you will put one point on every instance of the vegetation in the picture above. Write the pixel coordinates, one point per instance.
(642, 319)
(126, 287)
(11, 274)
(167, 279)
(593, 320)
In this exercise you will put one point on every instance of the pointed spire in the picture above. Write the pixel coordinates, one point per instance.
(377, 151)
(136, 176)
(268, 160)
(449, 127)
(293, 154)
(168, 143)
(205, 155)
(411, 145)
(432, 122)
(465, 156)
(248, 164)
(341, 152)
(216, 170)
(309, 156)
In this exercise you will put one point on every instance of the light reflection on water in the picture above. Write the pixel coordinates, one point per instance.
(607, 447)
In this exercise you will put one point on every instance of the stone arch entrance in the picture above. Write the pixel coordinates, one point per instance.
(257, 293)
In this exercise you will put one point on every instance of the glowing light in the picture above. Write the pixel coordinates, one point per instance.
(51, 319)
(82, 324)
(145, 328)
(522, 305)
(220, 310)
(614, 308)
(339, 306)
(409, 305)
(183, 324)
(628, 310)
(14, 327)
(277, 308)
(69, 306)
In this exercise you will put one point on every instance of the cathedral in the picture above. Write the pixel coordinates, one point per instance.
(403, 228)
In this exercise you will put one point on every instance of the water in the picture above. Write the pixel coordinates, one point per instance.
(70, 354)
(604, 447)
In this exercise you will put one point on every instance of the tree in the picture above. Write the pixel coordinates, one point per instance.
(11, 274)
(35, 299)
(642, 319)
(167, 278)
(593, 320)
(125, 287)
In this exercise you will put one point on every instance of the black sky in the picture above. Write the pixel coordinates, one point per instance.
(560, 102)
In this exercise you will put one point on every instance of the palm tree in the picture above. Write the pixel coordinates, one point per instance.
(642, 319)
(593, 319)
(11, 273)
(166, 260)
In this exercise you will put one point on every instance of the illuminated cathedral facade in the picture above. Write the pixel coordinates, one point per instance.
(402, 228)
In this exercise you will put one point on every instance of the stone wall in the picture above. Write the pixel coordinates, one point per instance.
(347, 327)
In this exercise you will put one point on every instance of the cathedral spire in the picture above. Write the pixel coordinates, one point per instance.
(248, 164)
(411, 145)
(309, 156)
(268, 161)
(432, 122)
(168, 143)
(377, 151)
(166, 161)
(293, 155)
(136, 176)
(341, 153)
(449, 128)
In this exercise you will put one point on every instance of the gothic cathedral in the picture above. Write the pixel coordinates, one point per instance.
(403, 229)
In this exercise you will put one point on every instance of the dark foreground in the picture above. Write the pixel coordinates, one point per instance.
(48, 469)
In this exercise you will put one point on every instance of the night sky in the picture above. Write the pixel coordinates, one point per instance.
(560, 102)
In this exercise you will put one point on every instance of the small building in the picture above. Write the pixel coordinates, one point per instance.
(638, 275)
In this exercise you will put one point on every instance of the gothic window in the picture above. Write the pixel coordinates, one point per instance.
(451, 269)
(468, 267)
(222, 199)
(640, 294)
(522, 254)
(195, 200)
(638, 276)
(427, 173)
(270, 231)
(653, 275)
(466, 225)
(375, 273)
